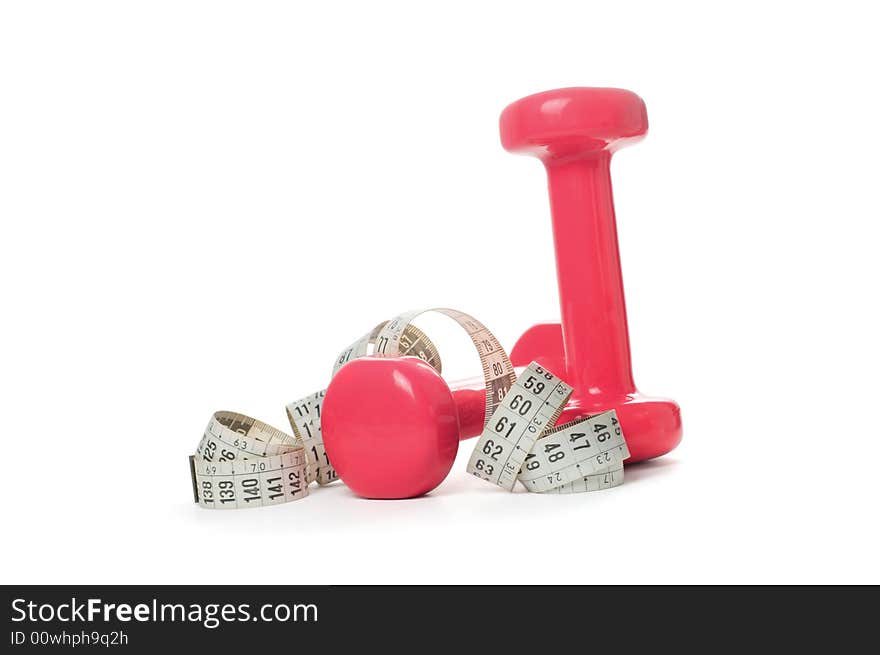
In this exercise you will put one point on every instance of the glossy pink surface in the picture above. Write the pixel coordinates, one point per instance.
(574, 133)
(390, 426)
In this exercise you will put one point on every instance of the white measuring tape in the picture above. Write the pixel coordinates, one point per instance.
(530, 408)
(577, 454)
(242, 462)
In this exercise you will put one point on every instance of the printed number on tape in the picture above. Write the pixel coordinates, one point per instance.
(575, 451)
(242, 462)
(612, 477)
(305, 419)
(530, 407)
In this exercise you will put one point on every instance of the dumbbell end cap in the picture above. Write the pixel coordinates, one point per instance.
(573, 121)
(390, 427)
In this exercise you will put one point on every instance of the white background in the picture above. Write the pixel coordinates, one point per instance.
(202, 202)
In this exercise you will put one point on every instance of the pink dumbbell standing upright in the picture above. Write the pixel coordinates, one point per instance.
(392, 425)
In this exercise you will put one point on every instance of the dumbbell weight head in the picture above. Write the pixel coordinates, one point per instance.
(390, 426)
(573, 122)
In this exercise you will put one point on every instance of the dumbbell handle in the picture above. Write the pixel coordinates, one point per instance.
(594, 328)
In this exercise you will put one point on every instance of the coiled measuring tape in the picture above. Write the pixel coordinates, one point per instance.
(237, 461)
(242, 462)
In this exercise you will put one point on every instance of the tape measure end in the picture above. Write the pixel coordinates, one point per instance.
(192, 473)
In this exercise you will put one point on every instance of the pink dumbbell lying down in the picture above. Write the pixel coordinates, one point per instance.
(391, 425)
